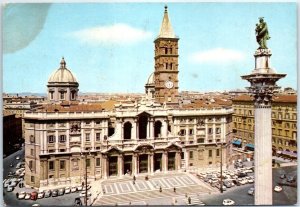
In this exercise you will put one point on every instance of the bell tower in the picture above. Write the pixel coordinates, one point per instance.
(166, 64)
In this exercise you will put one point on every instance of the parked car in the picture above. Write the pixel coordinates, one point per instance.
(13, 184)
(250, 180)
(77, 202)
(27, 196)
(47, 193)
(79, 188)
(22, 195)
(7, 182)
(18, 157)
(61, 191)
(278, 188)
(54, 193)
(10, 188)
(73, 189)
(41, 195)
(34, 195)
(251, 191)
(228, 202)
(291, 179)
(227, 183)
(67, 190)
(282, 176)
(82, 194)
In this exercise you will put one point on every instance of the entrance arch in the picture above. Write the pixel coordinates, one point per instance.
(127, 130)
(157, 129)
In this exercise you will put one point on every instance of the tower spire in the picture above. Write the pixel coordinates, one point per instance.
(166, 30)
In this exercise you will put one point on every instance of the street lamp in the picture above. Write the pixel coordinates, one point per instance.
(85, 155)
(221, 165)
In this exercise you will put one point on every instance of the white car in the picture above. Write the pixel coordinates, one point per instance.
(73, 189)
(27, 196)
(17, 158)
(67, 190)
(250, 180)
(82, 194)
(41, 195)
(278, 188)
(228, 202)
(6, 184)
(10, 189)
(22, 195)
(13, 184)
(79, 188)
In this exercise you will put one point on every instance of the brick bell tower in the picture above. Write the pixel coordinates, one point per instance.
(166, 64)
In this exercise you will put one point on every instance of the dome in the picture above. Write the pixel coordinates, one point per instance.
(150, 80)
(63, 74)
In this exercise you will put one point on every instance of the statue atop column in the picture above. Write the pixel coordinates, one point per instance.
(262, 33)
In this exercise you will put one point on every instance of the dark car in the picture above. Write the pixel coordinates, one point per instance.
(54, 193)
(291, 179)
(77, 202)
(236, 182)
(227, 184)
(282, 176)
(242, 174)
(47, 193)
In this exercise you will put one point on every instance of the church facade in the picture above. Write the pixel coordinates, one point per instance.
(66, 139)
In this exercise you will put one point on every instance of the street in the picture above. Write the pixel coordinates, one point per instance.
(239, 193)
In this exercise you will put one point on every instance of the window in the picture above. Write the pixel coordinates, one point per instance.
(280, 141)
(209, 163)
(30, 164)
(51, 139)
(209, 153)
(287, 125)
(31, 152)
(218, 152)
(97, 136)
(279, 116)
(97, 122)
(62, 164)
(73, 95)
(97, 148)
(166, 66)
(62, 138)
(287, 116)
(218, 130)
(191, 164)
(171, 66)
(97, 161)
(191, 154)
(182, 132)
(294, 116)
(87, 123)
(75, 163)
(273, 141)
(87, 137)
(51, 95)
(88, 162)
(200, 140)
(171, 51)
(191, 131)
(62, 150)
(250, 112)
(166, 50)
(32, 179)
(62, 95)
(294, 135)
(286, 143)
(210, 130)
(32, 139)
(51, 165)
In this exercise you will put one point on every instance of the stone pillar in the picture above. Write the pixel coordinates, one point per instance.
(263, 155)
(177, 161)
(120, 165)
(263, 83)
(151, 163)
(135, 164)
(187, 133)
(214, 132)
(56, 138)
(68, 137)
(104, 166)
(164, 129)
(134, 130)
(165, 162)
(151, 129)
(186, 156)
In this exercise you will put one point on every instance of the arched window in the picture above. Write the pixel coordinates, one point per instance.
(127, 130)
(157, 129)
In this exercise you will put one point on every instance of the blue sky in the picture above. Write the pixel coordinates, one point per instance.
(109, 46)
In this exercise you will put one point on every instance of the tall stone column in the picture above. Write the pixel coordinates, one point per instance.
(120, 165)
(177, 161)
(165, 162)
(104, 166)
(151, 163)
(263, 82)
(151, 128)
(134, 164)
(134, 130)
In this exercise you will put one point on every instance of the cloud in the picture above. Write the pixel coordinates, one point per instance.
(119, 34)
(217, 56)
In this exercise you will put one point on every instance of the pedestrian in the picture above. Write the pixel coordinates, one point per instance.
(20, 184)
(134, 178)
(174, 190)
(103, 190)
(160, 189)
(186, 195)
(190, 200)
(17, 195)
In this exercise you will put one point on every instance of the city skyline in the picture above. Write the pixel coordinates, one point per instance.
(109, 46)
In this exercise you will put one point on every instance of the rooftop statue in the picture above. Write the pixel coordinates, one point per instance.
(262, 33)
